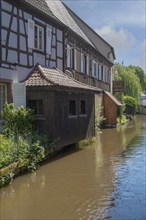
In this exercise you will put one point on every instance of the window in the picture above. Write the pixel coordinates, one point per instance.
(84, 64)
(37, 106)
(38, 37)
(72, 108)
(71, 57)
(101, 72)
(82, 107)
(95, 69)
(3, 96)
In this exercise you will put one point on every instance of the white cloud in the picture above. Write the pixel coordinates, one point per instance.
(142, 60)
(143, 45)
(119, 39)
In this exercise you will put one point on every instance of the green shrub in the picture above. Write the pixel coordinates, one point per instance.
(6, 179)
(98, 118)
(8, 151)
(18, 122)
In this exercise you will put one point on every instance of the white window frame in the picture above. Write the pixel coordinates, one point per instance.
(71, 57)
(38, 42)
(84, 64)
(94, 69)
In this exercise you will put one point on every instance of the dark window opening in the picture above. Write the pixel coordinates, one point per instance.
(82, 107)
(37, 106)
(72, 107)
(84, 64)
(72, 58)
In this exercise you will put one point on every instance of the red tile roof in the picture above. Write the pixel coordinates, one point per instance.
(43, 76)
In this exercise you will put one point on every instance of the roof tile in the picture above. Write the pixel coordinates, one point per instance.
(42, 76)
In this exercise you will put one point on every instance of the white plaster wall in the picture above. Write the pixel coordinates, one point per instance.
(21, 26)
(59, 35)
(23, 59)
(59, 49)
(26, 15)
(5, 19)
(3, 37)
(12, 56)
(59, 64)
(13, 40)
(22, 43)
(6, 6)
(9, 74)
(23, 73)
(39, 58)
(20, 13)
(54, 40)
(53, 54)
(3, 54)
(15, 11)
(52, 64)
(14, 24)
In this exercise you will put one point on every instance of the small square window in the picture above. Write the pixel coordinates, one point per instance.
(72, 108)
(37, 106)
(82, 107)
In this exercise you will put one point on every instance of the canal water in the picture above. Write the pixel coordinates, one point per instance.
(106, 180)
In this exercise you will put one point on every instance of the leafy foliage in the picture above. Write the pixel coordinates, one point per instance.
(18, 143)
(6, 179)
(98, 119)
(132, 83)
(18, 121)
(7, 151)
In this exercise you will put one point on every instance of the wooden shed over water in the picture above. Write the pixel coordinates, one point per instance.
(64, 109)
(111, 109)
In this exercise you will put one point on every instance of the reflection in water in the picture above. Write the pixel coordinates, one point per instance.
(103, 181)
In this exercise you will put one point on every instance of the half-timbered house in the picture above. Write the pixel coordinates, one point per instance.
(50, 34)
(30, 34)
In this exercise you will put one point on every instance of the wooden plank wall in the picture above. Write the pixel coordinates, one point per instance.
(57, 123)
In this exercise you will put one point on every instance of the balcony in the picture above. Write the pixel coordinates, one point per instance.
(118, 86)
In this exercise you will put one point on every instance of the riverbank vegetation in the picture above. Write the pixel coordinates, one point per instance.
(20, 145)
(21, 148)
(134, 83)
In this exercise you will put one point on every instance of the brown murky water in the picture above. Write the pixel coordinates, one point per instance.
(106, 180)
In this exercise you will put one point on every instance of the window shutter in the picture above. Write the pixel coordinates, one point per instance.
(75, 59)
(93, 68)
(82, 62)
(30, 33)
(87, 65)
(68, 55)
(48, 40)
(97, 70)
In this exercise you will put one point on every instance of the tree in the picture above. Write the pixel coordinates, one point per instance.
(140, 74)
(131, 81)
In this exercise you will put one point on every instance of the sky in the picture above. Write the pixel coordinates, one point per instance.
(122, 23)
